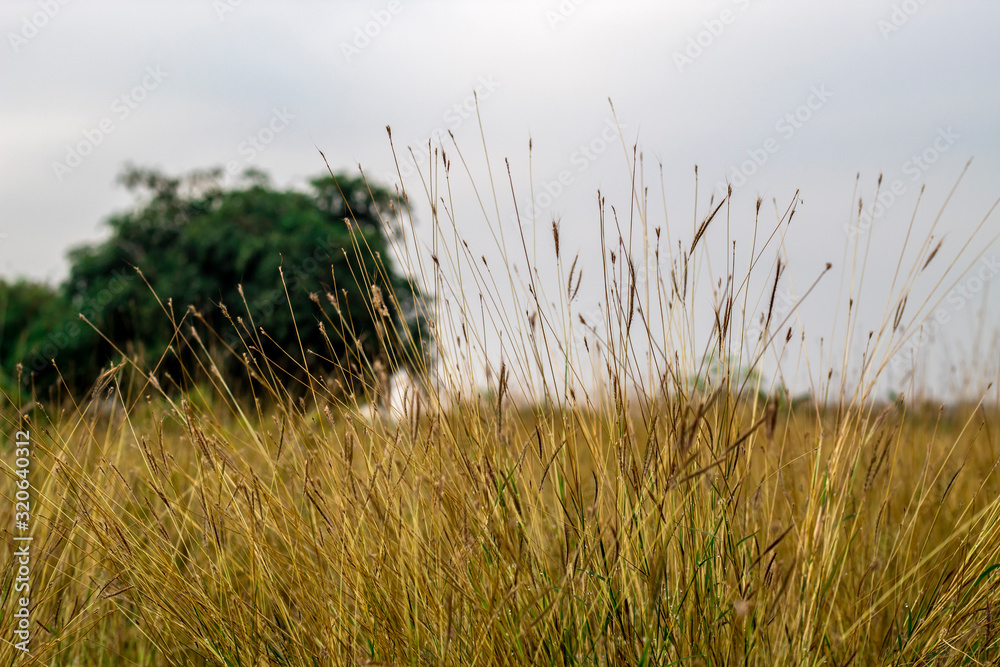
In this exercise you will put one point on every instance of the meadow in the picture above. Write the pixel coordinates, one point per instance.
(640, 494)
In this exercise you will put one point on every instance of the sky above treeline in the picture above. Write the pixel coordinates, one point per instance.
(771, 97)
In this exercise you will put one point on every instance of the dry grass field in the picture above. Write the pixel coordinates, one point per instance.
(665, 511)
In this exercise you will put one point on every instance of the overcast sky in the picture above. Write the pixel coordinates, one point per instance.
(771, 96)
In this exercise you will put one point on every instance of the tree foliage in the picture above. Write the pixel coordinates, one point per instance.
(278, 272)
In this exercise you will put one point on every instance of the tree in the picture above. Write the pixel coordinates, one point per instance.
(33, 329)
(312, 270)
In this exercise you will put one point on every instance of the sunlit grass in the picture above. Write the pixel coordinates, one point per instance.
(636, 495)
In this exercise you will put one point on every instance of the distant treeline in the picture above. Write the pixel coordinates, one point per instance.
(196, 263)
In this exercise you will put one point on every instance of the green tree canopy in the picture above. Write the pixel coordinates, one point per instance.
(219, 250)
(33, 324)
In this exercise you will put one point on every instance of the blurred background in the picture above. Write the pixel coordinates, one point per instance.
(771, 97)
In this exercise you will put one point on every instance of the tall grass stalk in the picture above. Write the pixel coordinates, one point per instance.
(638, 494)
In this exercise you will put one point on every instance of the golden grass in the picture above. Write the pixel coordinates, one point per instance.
(663, 513)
